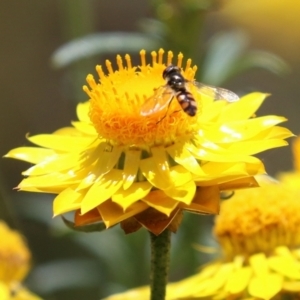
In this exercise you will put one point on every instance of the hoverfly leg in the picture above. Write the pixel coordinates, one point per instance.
(166, 112)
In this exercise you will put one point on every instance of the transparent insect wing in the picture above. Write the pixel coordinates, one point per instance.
(158, 101)
(216, 93)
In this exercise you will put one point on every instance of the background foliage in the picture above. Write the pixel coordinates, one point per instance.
(48, 48)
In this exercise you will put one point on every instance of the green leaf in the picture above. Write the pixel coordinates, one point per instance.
(99, 43)
(227, 56)
(153, 28)
(262, 59)
(96, 227)
(224, 51)
(46, 278)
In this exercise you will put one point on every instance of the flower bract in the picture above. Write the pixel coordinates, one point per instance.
(117, 165)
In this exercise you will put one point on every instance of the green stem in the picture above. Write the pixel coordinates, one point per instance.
(160, 261)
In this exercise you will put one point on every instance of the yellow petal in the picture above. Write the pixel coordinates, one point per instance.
(184, 193)
(233, 170)
(87, 180)
(259, 264)
(276, 132)
(192, 285)
(51, 183)
(108, 157)
(102, 190)
(161, 202)
(82, 111)
(284, 265)
(161, 161)
(112, 213)
(4, 292)
(243, 109)
(220, 278)
(266, 286)
(131, 166)
(183, 157)
(86, 128)
(61, 143)
(55, 163)
(151, 172)
(253, 147)
(137, 191)
(67, 131)
(242, 130)
(186, 288)
(238, 280)
(67, 200)
(180, 175)
(211, 111)
(32, 155)
(223, 170)
(133, 294)
(207, 155)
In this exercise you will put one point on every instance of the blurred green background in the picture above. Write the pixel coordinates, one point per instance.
(46, 50)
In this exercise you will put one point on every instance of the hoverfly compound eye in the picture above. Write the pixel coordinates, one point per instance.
(169, 70)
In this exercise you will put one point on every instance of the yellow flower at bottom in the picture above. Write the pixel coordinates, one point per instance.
(14, 265)
(118, 165)
(259, 234)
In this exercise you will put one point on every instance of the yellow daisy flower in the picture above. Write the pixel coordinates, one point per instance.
(259, 232)
(117, 165)
(14, 265)
(293, 178)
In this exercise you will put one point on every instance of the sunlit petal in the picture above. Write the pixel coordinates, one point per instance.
(265, 287)
(183, 193)
(131, 165)
(239, 280)
(183, 157)
(67, 200)
(61, 143)
(135, 192)
(152, 174)
(246, 108)
(32, 155)
(85, 128)
(83, 112)
(102, 190)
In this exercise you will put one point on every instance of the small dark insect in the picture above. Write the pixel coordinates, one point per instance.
(178, 87)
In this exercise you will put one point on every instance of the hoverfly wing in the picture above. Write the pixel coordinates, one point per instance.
(216, 93)
(158, 101)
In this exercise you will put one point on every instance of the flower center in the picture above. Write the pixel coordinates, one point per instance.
(259, 220)
(134, 106)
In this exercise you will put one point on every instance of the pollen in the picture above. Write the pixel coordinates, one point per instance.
(116, 101)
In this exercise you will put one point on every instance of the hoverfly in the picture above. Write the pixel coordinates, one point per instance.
(178, 87)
